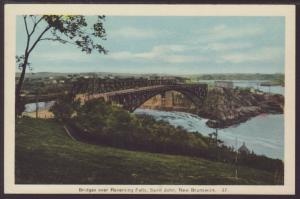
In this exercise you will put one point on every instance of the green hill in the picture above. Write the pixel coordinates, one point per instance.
(46, 154)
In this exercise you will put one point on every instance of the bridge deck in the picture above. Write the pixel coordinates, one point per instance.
(120, 92)
(107, 95)
(131, 90)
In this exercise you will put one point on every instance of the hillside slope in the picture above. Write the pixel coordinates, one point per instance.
(45, 154)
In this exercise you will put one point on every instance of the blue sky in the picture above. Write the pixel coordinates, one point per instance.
(172, 45)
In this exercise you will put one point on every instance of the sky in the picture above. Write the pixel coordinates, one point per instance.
(170, 45)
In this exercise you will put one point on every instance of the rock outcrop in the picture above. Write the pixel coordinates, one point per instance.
(225, 107)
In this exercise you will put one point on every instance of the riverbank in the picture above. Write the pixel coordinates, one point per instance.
(43, 114)
(45, 154)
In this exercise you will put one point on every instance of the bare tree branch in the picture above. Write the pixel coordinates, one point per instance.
(33, 19)
(26, 26)
(49, 39)
(35, 25)
(57, 39)
(38, 39)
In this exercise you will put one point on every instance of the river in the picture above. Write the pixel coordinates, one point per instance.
(41, 106)
(252, 84)
(263, 134)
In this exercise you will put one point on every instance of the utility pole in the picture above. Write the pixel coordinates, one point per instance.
(217, 143)
(94, 84)
(236, 157)
(215, 134)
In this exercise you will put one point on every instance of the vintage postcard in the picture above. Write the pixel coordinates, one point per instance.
(149, 99)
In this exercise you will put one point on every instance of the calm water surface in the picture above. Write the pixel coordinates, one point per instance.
(41, 105)
(252, 84)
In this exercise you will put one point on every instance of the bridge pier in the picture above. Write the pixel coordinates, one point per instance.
(163, 99)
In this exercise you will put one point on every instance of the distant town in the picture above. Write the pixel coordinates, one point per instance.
(47, 82)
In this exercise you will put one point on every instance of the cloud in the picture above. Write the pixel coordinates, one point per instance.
(228, 46)
(131, 32)
(265, 54)
(170, 48)
(54, 56)
(164, 53)
(176, 59)
(123, 55)
(223, 32)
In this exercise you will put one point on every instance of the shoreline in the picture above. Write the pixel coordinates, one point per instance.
(227, 107)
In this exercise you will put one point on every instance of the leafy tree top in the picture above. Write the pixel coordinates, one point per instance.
(66, 29)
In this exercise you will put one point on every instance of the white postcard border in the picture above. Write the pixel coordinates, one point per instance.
(12, 10)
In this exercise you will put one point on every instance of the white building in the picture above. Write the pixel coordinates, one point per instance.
(224, 84)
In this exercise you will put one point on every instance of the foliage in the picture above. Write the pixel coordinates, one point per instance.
(239, 76)
(112, 125)
(73, 29)
(62, 110)
(243, 89)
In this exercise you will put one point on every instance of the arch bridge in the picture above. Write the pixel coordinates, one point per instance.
(131, 99)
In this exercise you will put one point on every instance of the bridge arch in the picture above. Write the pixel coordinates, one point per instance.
(191, 96)
(131, 99)
(134, 99)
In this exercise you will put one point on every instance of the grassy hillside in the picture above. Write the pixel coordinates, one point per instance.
(45, 154)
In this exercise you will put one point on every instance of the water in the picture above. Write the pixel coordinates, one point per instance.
(256, 85)
(41, 106)
(252, 84)
(263, 134)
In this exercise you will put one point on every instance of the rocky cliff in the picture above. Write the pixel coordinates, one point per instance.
(225, 107)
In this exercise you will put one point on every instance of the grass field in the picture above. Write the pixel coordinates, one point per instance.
(45, 154)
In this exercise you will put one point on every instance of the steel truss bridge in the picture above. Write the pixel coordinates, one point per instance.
(129, 95)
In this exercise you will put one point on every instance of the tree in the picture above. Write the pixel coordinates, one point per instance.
(70, 29)
(65, 107)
